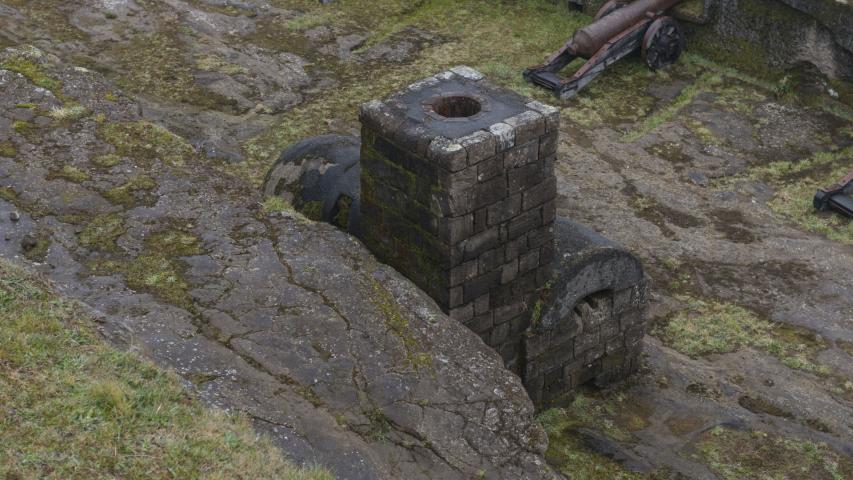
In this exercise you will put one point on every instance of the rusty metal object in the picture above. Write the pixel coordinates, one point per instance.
(608, 8)
(618, 30)
(662, 43)
(838, 197)
(592, 37)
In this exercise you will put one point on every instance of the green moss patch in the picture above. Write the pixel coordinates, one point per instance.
(710, 327)
(144, 142)
(615, 417)
(706, 327)
(7, 149)
(102, 232)
(211, 63)
(38, 252)
(669, 111)
(155, 64)
(628, 81)
(795, 184)
(106, 161)
(8, 194)
(70, 173)
(160, 276)
(174, 243)
(756, 455)
(51, 16)
(29, 68)
(125, 194)
(71, 407)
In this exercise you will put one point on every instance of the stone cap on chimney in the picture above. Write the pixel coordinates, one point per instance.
(455, 114)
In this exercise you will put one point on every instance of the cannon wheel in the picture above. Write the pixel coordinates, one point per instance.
(608, 8)
(662, 43)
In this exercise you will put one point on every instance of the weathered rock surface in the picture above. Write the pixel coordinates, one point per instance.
(342, 360)
(676, 166)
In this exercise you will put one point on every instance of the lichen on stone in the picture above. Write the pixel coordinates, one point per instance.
(397, 324)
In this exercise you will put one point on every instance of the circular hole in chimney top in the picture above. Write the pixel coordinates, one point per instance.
(456, 106)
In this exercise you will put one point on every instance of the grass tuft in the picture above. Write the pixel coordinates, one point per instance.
(756, 455)
(706, 327)
(73, 408)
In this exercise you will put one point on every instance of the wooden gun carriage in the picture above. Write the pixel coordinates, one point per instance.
(619, 29)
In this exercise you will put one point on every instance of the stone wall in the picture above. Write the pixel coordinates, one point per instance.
(466, 212)
(592, 317)
(777, 34)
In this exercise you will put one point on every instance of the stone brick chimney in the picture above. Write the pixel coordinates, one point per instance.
(458, 193)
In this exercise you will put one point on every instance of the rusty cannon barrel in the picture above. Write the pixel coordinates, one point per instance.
(592, 37)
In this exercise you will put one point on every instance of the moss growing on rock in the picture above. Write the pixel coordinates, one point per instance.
(145, 142)
(212, 63)
(125, 193)
(795, 184)
(102, 232)
(106, 161)
(706, 327)
(155, 64)
(22, 126)
(312, 210)
(70, 173)
(37, 251)
(756, 455)
(398, 325)
(23, 63)
(8, 194)
(161, 276)
(341, 218)
(567, 451)
(174, 243)
(7, 149)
